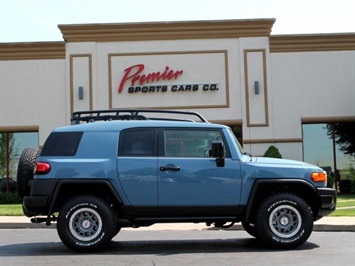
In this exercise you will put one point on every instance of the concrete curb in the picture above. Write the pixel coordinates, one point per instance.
(332, 224)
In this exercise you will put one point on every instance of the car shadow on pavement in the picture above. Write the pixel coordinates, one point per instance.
(154, 247)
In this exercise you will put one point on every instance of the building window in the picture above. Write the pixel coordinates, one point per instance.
(237, 130)
(11, 146)
(332, 147)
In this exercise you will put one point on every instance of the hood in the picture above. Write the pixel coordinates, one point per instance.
(266, 160)
(281, 163)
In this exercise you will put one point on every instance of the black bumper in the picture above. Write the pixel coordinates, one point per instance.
(38, 202)
(327, 198)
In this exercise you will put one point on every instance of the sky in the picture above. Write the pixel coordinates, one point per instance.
(37, 20)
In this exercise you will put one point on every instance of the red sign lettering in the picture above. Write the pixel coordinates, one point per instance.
(133, 74)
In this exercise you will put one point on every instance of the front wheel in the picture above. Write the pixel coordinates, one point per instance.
(86, 223)
(284, 220)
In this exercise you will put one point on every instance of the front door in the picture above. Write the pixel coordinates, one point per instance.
(189, 180)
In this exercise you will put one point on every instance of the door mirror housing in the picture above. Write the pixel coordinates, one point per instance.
(218, 153)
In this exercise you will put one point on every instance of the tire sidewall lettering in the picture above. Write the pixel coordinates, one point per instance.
(78, 206)
(286, 240)
(88, 244)
(281, 202)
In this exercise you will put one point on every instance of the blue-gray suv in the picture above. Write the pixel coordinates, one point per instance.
(131, 168)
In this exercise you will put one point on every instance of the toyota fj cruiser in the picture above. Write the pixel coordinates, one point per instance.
(134, 168)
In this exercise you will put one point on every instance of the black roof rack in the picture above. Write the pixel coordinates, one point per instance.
(132, 114)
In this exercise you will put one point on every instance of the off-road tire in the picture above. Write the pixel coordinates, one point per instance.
(284, 220)
(86, 223)
(250, 229)
(25, 170)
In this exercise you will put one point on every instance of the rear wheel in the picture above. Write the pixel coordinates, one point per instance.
(249, 228)
(86, 223)
(25, 170)
(284, 220)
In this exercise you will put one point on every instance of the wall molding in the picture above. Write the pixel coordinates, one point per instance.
(31, 128)
(226, 104)
(72, 57)
(247, 97)
(271, 141)
(333, 119)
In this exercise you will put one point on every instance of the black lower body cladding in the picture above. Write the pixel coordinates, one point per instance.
(327, 201)
(39, 201)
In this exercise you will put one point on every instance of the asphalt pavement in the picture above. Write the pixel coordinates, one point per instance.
(324, 224)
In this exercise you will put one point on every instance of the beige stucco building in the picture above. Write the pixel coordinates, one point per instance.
(232, 72)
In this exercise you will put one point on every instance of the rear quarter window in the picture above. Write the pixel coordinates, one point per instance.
(62, 144)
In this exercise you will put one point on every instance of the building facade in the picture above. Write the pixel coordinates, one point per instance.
(281, 90)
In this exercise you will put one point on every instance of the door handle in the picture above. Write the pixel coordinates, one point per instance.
(170, 168)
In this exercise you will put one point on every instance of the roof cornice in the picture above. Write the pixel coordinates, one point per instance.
(312, 42)
(32, 50)
(148, 31)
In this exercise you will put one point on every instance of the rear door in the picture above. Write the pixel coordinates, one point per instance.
(188, 178)
(137, 167)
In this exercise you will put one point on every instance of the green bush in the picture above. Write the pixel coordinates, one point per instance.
(9, 198)
(272, 152)
(330, 181)
(352, 187)
(345, 186)
(8, 184)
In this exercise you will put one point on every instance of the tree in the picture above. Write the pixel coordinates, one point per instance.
(272, 152)
(7, 147)
(344, 134)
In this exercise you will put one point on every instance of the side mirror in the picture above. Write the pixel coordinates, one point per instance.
(218, 152)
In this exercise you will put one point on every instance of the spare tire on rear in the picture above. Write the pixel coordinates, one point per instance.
(25, 170)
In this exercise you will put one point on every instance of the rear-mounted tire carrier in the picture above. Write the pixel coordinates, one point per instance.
(25, 170)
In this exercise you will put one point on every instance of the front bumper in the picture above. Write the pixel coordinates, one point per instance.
(327, 198)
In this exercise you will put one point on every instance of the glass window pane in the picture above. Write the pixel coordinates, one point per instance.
(62, 144)
(190, 143)
(318, 147)
(11, 146)
(137, 143)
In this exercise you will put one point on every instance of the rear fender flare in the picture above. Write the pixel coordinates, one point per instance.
(91, 182)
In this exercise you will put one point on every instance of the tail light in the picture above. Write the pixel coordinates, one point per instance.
(42, 168)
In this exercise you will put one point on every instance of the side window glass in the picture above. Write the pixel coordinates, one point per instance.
(62, 144)
(138, 142)
(190, 143)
